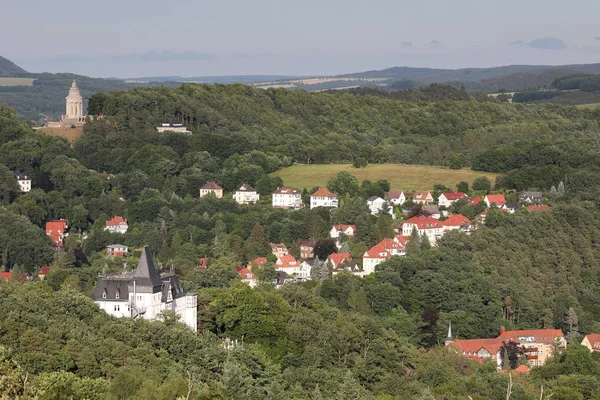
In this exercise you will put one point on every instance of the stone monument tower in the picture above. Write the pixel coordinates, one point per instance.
(74, 103)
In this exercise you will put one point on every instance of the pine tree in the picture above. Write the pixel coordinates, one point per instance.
(256, 245)
(414, 243)
(553, 192)
(425, 244)
(221, 242)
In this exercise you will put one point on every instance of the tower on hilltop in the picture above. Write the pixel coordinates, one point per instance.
(74, 103)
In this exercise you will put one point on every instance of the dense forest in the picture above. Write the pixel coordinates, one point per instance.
(345, 338)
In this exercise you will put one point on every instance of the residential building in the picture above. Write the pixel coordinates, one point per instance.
(323, 198)
(377, 204)
(303, 272)
(287, 197)
(539, 345)
(246, 194)
(279, 249)
(337, 258)
(510, 207)
(591, 341)
(339, 229)
(497, 199)
(382, 251)
(116, 225)
(211, 187)
(257, 262)
(44, 271)
(430, 227)
(432, 211)
(117, 250)
(202, 264)
(353, 268)
(173, 127)
(396, 197)
(307, 247)
(288, 264)
(247, 276)
(457, 222)
(475, 200)
(422, 198)
(531, 197)
(282, 279)
(143, 293)
(56, 229)
(447, 199)
(23, 180)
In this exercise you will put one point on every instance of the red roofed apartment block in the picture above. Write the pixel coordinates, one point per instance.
(56, 230)
(116, 225)
(430, 227)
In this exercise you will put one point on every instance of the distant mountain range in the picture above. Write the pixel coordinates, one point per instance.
(45, 98)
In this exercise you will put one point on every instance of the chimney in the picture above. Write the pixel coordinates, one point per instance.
(502, 330)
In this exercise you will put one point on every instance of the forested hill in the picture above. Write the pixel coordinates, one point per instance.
(9, 68)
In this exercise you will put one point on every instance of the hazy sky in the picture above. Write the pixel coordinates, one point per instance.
(131, 38)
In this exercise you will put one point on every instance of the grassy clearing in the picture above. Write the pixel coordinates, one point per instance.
(16, 81)
(71, 134)
(591, 106)
(401, 177)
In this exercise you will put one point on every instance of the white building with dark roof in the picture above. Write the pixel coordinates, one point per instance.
(23, 180)
(173, 127)
(246, 194)
(287, 197)
(143, 293)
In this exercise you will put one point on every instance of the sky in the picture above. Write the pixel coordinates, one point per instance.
(134, 38)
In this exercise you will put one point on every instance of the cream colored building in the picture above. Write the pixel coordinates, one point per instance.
(211, 187)
(73, 111)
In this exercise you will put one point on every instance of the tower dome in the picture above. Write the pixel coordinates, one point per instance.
(74, 102)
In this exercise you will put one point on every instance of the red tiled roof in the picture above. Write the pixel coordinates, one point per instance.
(245, 273)
(394, 194)
(545, 336)
(402, 240)
(594, 339)
(257, 262)
(117, 220)
(424, 222)
(5, 275)
(421, 196)
(495, 198)
(538, 207)
(471, 346)
(211, 186)
(343, 228)
(524, 369)
(454, 196)
(323, 192)
(286, 190)
(45, 269)
(56, 229)
(338, 258)
(457, 220)
(287, 261)
(475, 200)
(377, 251)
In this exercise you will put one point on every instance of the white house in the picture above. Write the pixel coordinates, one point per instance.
(323, 198)
(497, 199)
(116, 250)
(173, 127)
(287, 197)
(382, 251)
(447, 199)
(246, 194)
(143, 293)
(422, 198)
(24, 181)
(337, 230)
(430, 227)
(247, 276)
(211, 187)
(396, 197)
(116, 225)
(376, 205)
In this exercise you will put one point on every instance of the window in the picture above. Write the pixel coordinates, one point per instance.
(117, 294)
(117, 307)
(104, 293)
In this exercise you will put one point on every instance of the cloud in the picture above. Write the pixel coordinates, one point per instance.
(596, 37)
(407, 45)
(435, 44)
(518, 43)
(548, 43)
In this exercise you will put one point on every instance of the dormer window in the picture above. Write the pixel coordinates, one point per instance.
(117, 294)
(104, 293)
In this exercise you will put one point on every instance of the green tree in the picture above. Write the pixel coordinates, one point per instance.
(457, 161)
(463, 187)
(482, 183)
(344, 182)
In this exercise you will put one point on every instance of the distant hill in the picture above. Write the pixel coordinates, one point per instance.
(213, 79)
(9, 68)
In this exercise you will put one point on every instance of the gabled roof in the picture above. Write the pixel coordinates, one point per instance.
(377, 251)
(257, 262)
(421, 195)
(287, 261)
(424, 222)
(495, 198)
(246, 188)
(245, 273)
(20, 176)
(374, 198)
(511, 206)
(457, 220)
(594, 339)
(352, 267)
(343, 228)
(116, 221)
(472, 346)
(431, 209)
(338, 258)
(146, 278)
(211, 186)
(276, 246)
(116, 246)
(545, 336)
(287, 190)
(56, 229)
(538, 207)
(45, 269)
(394, 194)
(475, 200)
(307, 242)
(452, 196)
(532, 195)
(323, 192)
